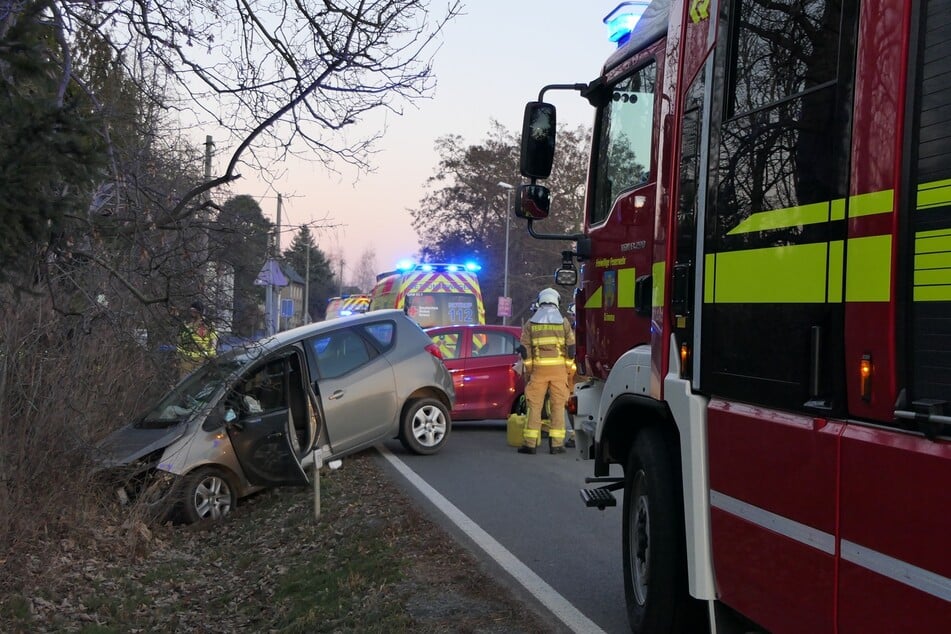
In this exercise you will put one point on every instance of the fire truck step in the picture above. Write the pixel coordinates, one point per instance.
(600, 498)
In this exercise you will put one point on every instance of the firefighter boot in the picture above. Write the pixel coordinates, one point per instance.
(526, 449)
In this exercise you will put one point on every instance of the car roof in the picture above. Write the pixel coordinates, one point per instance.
(488, 327)
(309, 330)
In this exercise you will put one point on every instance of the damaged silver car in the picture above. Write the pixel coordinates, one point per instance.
(253, 417)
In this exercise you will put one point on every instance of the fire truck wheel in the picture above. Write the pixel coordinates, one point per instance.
(426, 426)
(655, 584)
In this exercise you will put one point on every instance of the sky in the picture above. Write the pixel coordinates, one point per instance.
(493, 59)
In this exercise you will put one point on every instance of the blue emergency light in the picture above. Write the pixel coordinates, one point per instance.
(408, 265)
(623, 19)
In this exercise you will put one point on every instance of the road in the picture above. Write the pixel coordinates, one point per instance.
(530, 506)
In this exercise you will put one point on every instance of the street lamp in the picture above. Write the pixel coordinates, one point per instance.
(508, 216)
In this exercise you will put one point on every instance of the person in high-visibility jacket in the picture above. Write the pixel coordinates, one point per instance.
(549, 349)
(197, 340)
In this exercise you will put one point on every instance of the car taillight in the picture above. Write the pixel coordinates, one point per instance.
(572, 405)
(433, 349)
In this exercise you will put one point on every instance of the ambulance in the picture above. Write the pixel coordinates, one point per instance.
(347, 305)
(432, 294)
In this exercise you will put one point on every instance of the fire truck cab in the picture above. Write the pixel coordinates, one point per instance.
(764, 310)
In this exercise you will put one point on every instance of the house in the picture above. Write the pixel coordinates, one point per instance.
(294, 315)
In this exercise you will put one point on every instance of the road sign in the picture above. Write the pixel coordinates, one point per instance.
(505, 307)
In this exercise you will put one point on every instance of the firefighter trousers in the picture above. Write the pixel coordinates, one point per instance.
(554, 380)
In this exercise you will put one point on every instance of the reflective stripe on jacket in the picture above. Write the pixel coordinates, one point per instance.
(197, 344)
(547, 343)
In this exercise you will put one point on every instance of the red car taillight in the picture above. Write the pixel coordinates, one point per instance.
(433, 349)
(572, 405)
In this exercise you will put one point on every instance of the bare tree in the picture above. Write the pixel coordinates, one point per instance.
(112, 198)
(364, 275)
(277, 78)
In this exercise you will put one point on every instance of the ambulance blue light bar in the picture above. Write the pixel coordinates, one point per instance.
(623, 19)
(408, 265)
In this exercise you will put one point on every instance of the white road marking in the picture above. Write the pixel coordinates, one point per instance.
(559, 606)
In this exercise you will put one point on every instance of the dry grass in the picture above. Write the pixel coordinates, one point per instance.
(372, 563)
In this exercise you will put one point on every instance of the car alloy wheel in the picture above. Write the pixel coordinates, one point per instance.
(426, 426)
(207, 494)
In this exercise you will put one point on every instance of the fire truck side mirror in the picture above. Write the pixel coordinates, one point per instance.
(534, 202)
(566, 277)
(538, 140)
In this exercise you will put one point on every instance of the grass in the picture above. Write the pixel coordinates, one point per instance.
(371, 564)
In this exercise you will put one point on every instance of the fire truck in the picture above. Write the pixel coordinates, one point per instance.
(347, 305)
(764, 310)
(432, 294)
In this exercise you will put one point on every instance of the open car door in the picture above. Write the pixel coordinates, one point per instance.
(272, 423)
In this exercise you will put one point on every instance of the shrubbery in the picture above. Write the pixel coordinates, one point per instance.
(65, 382)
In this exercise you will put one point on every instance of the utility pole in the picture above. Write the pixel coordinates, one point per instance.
(340, 277)
(271, 300)
(508, 218)
(307, 286)
(277, 235)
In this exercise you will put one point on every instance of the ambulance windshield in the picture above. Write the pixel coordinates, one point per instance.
(442, 309)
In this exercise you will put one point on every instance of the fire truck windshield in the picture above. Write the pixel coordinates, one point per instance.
(624, 138)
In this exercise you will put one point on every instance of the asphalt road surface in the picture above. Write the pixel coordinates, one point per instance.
(523, 516)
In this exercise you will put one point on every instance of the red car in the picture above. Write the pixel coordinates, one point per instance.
(480, 360)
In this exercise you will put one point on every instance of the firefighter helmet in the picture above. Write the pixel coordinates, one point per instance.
(549, 296)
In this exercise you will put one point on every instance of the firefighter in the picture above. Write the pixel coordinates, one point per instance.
(548, 358)
(197, 340)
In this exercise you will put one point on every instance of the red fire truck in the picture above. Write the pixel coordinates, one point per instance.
(764, 311)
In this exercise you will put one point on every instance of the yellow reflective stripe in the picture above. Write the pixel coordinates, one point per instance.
(557, 434)
(791, 274)
(595, 300)
(930, 277)
(658, 271)
(871, 203)
(923, 240)
(625, 288)
(868, 269)
(940, 293)
(932, 266)
(934, 194)
(781, 218)
(709, 276)
(806, 273)
(933, 260)
(867, 204)
(559, 360)
(547, 341)
(834, 278)
(531, 434)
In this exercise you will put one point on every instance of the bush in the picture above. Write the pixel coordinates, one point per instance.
(65, 382)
